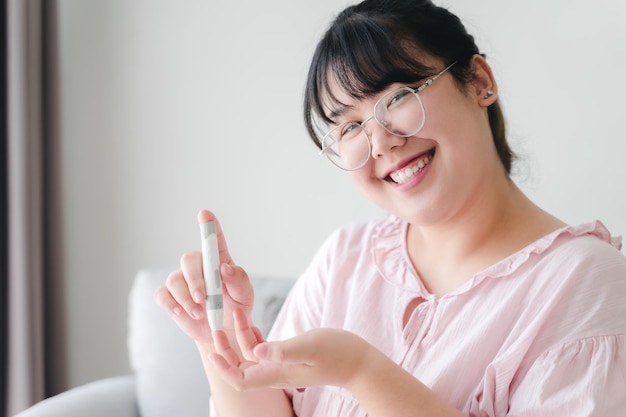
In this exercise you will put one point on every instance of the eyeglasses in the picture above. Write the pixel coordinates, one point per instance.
(400, 112)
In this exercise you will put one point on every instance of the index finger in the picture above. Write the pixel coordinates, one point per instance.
(207, 216)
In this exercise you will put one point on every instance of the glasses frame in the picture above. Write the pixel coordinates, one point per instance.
(382, 123)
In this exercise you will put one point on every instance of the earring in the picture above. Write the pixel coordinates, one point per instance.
(488, 94)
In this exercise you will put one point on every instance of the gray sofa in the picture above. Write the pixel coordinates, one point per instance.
(168, 379)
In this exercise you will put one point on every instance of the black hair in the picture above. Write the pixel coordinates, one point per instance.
(379, 42)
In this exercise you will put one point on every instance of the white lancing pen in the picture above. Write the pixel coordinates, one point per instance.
(212, 280)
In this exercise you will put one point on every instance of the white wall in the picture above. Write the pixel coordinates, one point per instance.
(173, 106)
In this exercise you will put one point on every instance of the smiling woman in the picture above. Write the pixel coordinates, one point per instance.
(182, 105)
(466, 299)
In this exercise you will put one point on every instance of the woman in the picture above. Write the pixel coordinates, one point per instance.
(467, 300)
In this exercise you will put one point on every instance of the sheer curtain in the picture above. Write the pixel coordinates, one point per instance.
(32, 305)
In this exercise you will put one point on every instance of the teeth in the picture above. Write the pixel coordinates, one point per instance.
(407, 173)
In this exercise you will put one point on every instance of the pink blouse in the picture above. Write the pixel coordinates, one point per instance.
(540, 333)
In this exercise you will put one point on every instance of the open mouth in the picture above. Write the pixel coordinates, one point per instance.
(405, 174)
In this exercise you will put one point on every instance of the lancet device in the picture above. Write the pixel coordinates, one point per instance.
(212, 280)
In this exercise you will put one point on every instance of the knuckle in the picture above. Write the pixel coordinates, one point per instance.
(163, 298)
(188, 258)
(173, 278)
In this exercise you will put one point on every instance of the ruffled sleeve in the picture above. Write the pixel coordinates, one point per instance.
(585, 377)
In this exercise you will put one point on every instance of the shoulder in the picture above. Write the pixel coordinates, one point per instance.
(589, 247)
(592, 234)
(571, 283)
(582, 277)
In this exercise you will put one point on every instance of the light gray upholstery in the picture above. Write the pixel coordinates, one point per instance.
(104, 398)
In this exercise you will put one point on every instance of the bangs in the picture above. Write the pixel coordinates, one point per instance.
(362, 58)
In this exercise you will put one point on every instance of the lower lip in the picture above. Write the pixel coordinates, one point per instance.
(416, 180)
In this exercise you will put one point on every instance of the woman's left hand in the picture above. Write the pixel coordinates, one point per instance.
(317, 357)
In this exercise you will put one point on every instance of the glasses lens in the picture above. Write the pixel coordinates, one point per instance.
(347, 146)
(400, 112)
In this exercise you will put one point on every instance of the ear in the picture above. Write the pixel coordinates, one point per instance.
(483, 82)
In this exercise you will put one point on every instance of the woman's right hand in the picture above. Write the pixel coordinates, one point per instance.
(183, 296)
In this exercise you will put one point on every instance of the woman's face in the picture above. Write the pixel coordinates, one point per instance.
(436, 174)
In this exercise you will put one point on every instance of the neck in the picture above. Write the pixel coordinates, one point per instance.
(493, 226)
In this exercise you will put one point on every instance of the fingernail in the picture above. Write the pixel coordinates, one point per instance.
(198, 297)
(176, 310)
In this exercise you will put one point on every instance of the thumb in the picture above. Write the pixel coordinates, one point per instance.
(292, 351)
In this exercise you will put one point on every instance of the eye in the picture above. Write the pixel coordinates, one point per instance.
(397, 98)
(349, 130)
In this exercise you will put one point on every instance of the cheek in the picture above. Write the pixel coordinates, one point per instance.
(451, 115)
(458, 124)
(448, 106)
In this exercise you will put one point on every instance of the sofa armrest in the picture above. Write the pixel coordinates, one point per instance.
(104, 398)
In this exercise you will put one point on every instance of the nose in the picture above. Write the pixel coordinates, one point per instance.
(381, 140)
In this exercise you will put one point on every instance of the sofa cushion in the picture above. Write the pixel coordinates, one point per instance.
(170, 379)
(107, 397)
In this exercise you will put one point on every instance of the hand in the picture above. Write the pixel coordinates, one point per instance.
(184, 294)
(317, 357)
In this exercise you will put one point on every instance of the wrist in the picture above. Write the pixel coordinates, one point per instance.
(364, 368)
